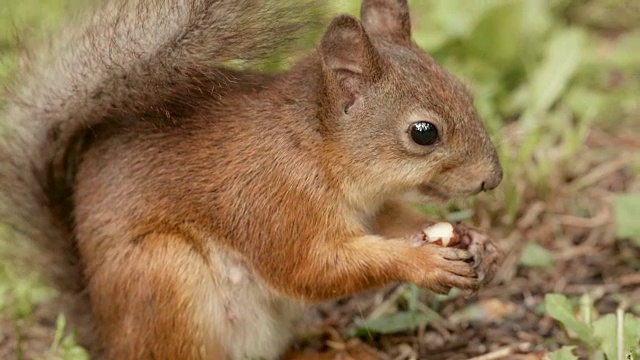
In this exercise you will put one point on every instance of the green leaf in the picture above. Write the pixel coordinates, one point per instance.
(605, 329)
(564, 353)
(534, 255)
(65, 346)
(537, 19)
(400, 321)
(586, 308)
(497, 36)
(562, 58)
(453, 19)
(413, 297)
(560, 308)
(460, 215)
(627, 210)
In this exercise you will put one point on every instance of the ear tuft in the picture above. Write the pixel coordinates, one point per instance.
(387, 18)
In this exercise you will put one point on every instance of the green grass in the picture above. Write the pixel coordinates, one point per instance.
(544, 74)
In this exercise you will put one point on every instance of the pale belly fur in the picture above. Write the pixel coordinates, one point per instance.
(245, 318)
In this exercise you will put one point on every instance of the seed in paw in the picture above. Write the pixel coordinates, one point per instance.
(442, 233)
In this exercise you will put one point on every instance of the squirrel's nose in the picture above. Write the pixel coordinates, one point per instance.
(493, 180)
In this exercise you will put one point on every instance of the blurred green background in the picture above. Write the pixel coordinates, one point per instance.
(551, 78)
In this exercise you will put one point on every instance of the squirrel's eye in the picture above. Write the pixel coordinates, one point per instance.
(424, 133)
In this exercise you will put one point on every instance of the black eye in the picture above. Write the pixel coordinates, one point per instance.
(424, 133)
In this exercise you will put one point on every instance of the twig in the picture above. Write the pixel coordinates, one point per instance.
(504, 352)
(620, 333)
(531, 215)
(572, 253)
(599, 172)
(603, 217)
(386, 305)
(595, 290)
(406, 351)
(629, 279)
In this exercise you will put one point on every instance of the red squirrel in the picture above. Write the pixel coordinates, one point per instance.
(188, 210)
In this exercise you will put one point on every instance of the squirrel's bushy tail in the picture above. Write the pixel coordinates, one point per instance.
(128, 57)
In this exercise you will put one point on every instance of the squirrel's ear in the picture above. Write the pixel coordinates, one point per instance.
(349, 59)
(387, 18)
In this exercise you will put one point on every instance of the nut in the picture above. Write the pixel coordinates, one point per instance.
(442, 233)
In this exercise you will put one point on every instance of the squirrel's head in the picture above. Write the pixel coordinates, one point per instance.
(394, 121)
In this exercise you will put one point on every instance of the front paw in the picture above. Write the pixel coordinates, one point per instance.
(486, 256)
(441, 268)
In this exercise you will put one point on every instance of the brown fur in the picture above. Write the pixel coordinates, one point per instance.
(207, 213)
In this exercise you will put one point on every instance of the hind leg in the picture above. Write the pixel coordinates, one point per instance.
(148, 298)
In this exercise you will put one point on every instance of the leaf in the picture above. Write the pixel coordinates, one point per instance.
(605, 328)
(452, 15)
(460, 215)
(584, 101)
(560, 308)
(564, 353)
(488, 310)
(497, 36)
(537, 19)
(412, 297)
(627, 212)
(61, 324)
(65, 346)
(562, 58)
(587, 309)
(400, 321)
(440, 22)
(534, 255)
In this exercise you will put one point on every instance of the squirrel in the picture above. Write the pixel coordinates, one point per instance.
(190, 210)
